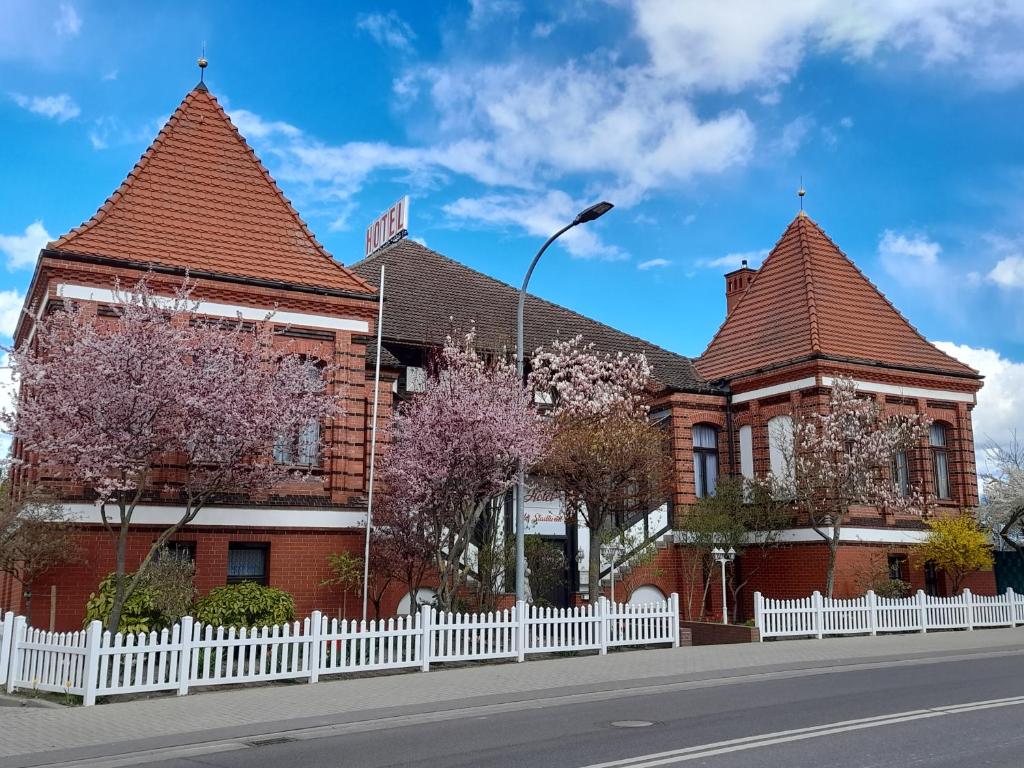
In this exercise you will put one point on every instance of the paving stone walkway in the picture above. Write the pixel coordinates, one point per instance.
(212, 714)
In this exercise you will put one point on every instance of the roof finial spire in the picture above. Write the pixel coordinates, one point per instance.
(202, 64)
(800, 193)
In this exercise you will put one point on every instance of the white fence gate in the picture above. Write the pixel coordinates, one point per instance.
(818, 616)
(92, 663)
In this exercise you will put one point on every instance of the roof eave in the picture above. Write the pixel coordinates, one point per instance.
(164, 269)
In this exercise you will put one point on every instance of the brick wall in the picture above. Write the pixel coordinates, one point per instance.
(297, 564)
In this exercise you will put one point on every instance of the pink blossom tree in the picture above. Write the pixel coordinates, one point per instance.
(843, 457)
(455, 446)
(158, 402)
(606, 460)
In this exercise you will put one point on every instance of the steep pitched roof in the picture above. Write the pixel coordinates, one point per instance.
(199, 198)
(809, 299)
(427, 296)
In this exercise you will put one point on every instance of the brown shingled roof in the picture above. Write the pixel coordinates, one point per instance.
(428, 295)
(809, 299)
(199, 198)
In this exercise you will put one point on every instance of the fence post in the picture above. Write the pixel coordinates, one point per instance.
(316, 620)
(1011, 601)
(602, 611)
(521, 614)
(819, 614)
(969, 602)
(872, 612)
(673, 601)
(185, 654)
(6, 631)
(18, 631)
(91, 669)
(922, 603)
(425, 614)
(759, 615)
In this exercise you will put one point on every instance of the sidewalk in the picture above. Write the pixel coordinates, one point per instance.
(126, 726)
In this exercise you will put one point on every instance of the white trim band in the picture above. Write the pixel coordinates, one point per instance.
(234, 517)
(864, 386)
(214, 309)
(895, 389)
(851, 535)
(775, 389)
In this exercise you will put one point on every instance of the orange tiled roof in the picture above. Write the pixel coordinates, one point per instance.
(200, 198)
(809, 299)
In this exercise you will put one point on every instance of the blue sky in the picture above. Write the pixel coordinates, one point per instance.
(502, 118)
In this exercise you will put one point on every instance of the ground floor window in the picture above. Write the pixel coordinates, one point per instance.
(898, 567)
(247, 562)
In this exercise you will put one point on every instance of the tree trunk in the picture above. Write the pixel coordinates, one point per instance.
(830, 573)
(594, 573)
(114, 620)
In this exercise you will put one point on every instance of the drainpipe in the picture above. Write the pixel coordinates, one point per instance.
(728, 427)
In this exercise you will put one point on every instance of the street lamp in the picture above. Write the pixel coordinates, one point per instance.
(723, 557)
(588, 214)
(615, 550)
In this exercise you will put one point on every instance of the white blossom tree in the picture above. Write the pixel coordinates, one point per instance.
(606, 460)
(1003, 510)
(842, 457)
(160, 402)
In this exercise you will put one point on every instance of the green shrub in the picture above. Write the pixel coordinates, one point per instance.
(245, 605)
(140, 612)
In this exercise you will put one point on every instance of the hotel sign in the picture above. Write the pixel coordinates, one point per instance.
(390, 226)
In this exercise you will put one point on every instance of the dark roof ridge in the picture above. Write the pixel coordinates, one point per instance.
(529, 295)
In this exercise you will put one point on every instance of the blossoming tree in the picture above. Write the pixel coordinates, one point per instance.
(842, 457)
(606, 460)
(455, 446)
(158, 402)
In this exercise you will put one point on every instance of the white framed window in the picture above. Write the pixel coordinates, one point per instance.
(937, 435)
(780, 449)
(747, 452)
(705, 459)
(901, 473)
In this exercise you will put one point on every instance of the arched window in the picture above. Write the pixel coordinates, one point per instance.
(780, 449)
(940, 461)
(705, 459)
(901, 473)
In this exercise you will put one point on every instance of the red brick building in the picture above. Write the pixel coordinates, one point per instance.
(200, 202)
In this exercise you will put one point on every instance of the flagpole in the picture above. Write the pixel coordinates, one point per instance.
(373, 443)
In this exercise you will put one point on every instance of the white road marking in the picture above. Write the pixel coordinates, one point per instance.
(702, 751)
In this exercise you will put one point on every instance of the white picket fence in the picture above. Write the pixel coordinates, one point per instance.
(92, 663)
(818, 616)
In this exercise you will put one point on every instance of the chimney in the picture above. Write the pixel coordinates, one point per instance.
(736, 283)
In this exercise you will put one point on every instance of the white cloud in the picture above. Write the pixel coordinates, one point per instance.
(1008, 272)
(68, 23)
(1000, 409)
(252, 126)
(61, 107)
(21, 250)
(653, 263)
(483, 11)
(732, 261)
(541, 216)
(731, 46)
(846, 122)
(637, 131)
(10, 310)
(793, 135)
(912, 259)
(387, 29)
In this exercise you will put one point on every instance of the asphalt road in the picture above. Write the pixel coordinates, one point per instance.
(884, 716)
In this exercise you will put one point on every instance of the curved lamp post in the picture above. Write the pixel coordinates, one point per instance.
(589, 214)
